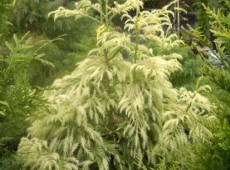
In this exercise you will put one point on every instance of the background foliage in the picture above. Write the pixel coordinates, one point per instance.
(18, 99)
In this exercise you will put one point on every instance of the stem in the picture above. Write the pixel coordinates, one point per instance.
(106, 13)
(137, 35)
(106, 59)
(178, 18)
(190, 104)
(106, 62)
(111, 122)
(114, 55)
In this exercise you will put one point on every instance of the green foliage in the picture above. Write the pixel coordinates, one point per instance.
(218, 153)
(191, 65)
(216, 156)
(220, 76)
(32, 16)
(202, 18)
(18, 99)
(196, 36)
(225, 6)
(220, 27)
(5, 6)
(116, 113)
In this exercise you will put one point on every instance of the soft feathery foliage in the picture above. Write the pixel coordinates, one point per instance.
(22, 52)
(18, 99)
(15, 62)
(116, 113)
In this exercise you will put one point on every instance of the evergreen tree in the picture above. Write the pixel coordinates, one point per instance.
(117, 109)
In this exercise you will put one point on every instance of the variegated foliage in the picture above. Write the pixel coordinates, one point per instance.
(116, 113)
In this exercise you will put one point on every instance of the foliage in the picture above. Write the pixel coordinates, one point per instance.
(220, 76)
(4, 8)
(187, 76)
(31, 15)
(219, 80)
(191, 68)
(201, 16)
(18, 99)
(116, 113)
(225, 6)
(220, 27)
(161, 3)
(217, 155)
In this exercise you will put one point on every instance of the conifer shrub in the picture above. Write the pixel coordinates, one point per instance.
(219, 79)
(118, 109)
(18, 98)
(215, 71)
